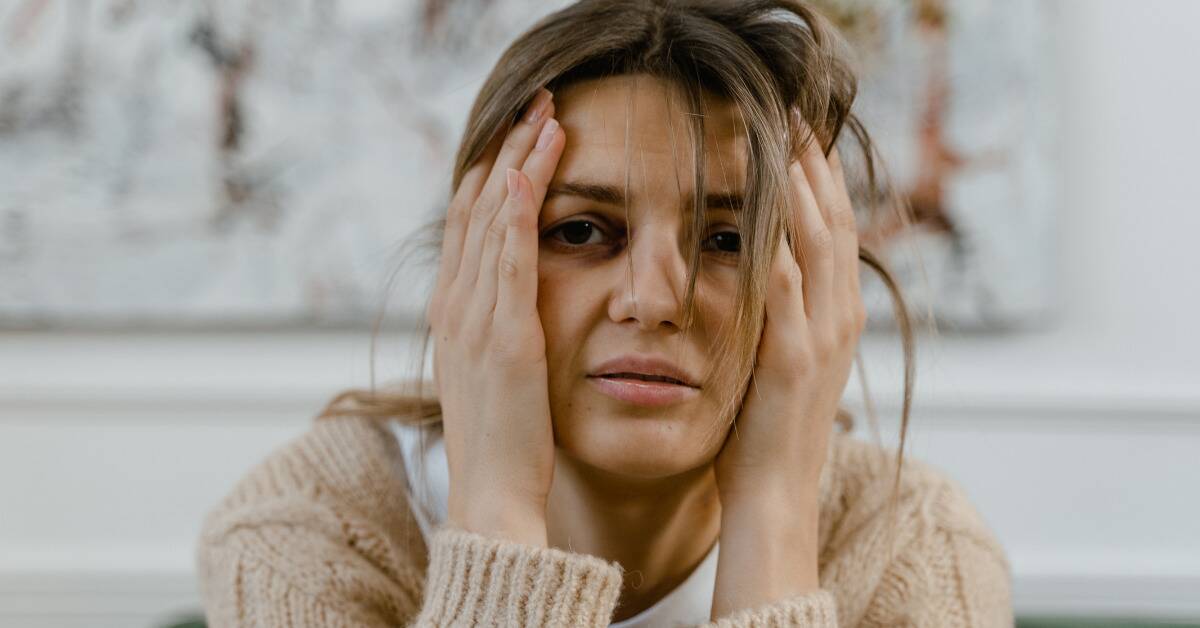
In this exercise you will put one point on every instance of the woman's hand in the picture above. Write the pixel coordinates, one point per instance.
(490, 351)
(769, 468)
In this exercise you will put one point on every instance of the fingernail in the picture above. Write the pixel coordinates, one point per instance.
(514, 184)
(547, 134)
(538, 106)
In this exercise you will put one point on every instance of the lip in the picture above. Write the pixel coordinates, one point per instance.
(644, 393)
(644, 364)
(640, 392)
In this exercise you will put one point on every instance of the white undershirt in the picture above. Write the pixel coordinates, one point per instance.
(687, 604)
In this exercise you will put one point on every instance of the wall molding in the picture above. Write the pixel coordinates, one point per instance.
(191, 391)
(57, 375)
(1011, 410)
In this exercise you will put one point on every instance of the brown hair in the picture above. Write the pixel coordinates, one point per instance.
(767, 57)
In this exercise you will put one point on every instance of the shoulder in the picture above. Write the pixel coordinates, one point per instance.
(353, 462)
(863, 478)
(918, 552)
(324, 515)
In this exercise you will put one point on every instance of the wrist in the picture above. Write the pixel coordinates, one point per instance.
(501, 518)
(767, 490)
(778, 523)
(786, 514)
(769, 550)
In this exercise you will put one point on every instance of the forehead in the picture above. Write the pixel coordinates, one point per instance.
(643, 120)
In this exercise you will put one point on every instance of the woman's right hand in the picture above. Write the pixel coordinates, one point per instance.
(489, 348)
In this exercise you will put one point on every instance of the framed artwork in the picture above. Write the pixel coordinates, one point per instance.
(958, 96)
(223, 163)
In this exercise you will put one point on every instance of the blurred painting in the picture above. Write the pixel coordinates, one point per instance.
(957, 94)
(225, 163)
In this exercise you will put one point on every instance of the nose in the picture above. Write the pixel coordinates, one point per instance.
(651, 292)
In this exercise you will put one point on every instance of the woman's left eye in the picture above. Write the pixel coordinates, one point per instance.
(727, 242)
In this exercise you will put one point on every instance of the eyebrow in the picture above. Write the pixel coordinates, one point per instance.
(613, 195)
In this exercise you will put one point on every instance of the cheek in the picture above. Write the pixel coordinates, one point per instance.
(716, 299)
(565, 306)
(562, 299)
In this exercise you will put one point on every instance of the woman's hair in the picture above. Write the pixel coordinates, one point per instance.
(767, 58)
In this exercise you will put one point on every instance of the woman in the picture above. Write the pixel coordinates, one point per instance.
(636, 381)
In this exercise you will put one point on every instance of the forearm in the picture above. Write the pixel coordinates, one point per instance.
(768, 549)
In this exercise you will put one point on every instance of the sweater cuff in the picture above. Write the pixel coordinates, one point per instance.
(480, 580)
(810, 610)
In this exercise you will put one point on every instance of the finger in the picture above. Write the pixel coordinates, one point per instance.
(838, 213)
(542, 162)
(850, 255)
(457, 216)
(516, 292)
(513, 153)
(484, 294)
(785, 299)
(816, 247)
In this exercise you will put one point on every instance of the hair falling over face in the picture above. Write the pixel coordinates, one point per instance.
(771, 59)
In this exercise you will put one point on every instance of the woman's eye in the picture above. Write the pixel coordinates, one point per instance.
(727, 242)
(575, 233)
(581, 233)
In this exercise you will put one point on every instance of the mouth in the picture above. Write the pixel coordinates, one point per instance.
(643, 377)
(643, 390)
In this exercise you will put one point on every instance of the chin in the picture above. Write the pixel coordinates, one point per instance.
(645, 445)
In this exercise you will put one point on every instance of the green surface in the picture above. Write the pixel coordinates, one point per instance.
(1099, 622)
(187, 621)
(1022, 622)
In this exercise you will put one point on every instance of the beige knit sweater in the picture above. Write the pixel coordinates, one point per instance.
(321, 534)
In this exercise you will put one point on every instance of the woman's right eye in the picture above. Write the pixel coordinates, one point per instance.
(575, 233)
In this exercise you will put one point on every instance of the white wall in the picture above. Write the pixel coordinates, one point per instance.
(1078, 443)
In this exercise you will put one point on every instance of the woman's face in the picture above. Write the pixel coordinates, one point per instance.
(594, 309)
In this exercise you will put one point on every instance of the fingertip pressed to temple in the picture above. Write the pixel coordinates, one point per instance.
(549, 130)
(540, 106)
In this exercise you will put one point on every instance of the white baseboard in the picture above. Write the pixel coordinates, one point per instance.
(1171, 597)
(117, 598)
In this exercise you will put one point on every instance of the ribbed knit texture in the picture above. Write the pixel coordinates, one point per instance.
(816, 609)
(321, 534)
(496, 583)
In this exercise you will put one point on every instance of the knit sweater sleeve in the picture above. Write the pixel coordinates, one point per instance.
(948, 568)
(312, 538)
(817, 609)
(482, 581)
(951, 576)
(473, 580)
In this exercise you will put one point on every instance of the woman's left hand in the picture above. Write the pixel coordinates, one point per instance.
(814, 317)
(768, 470)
